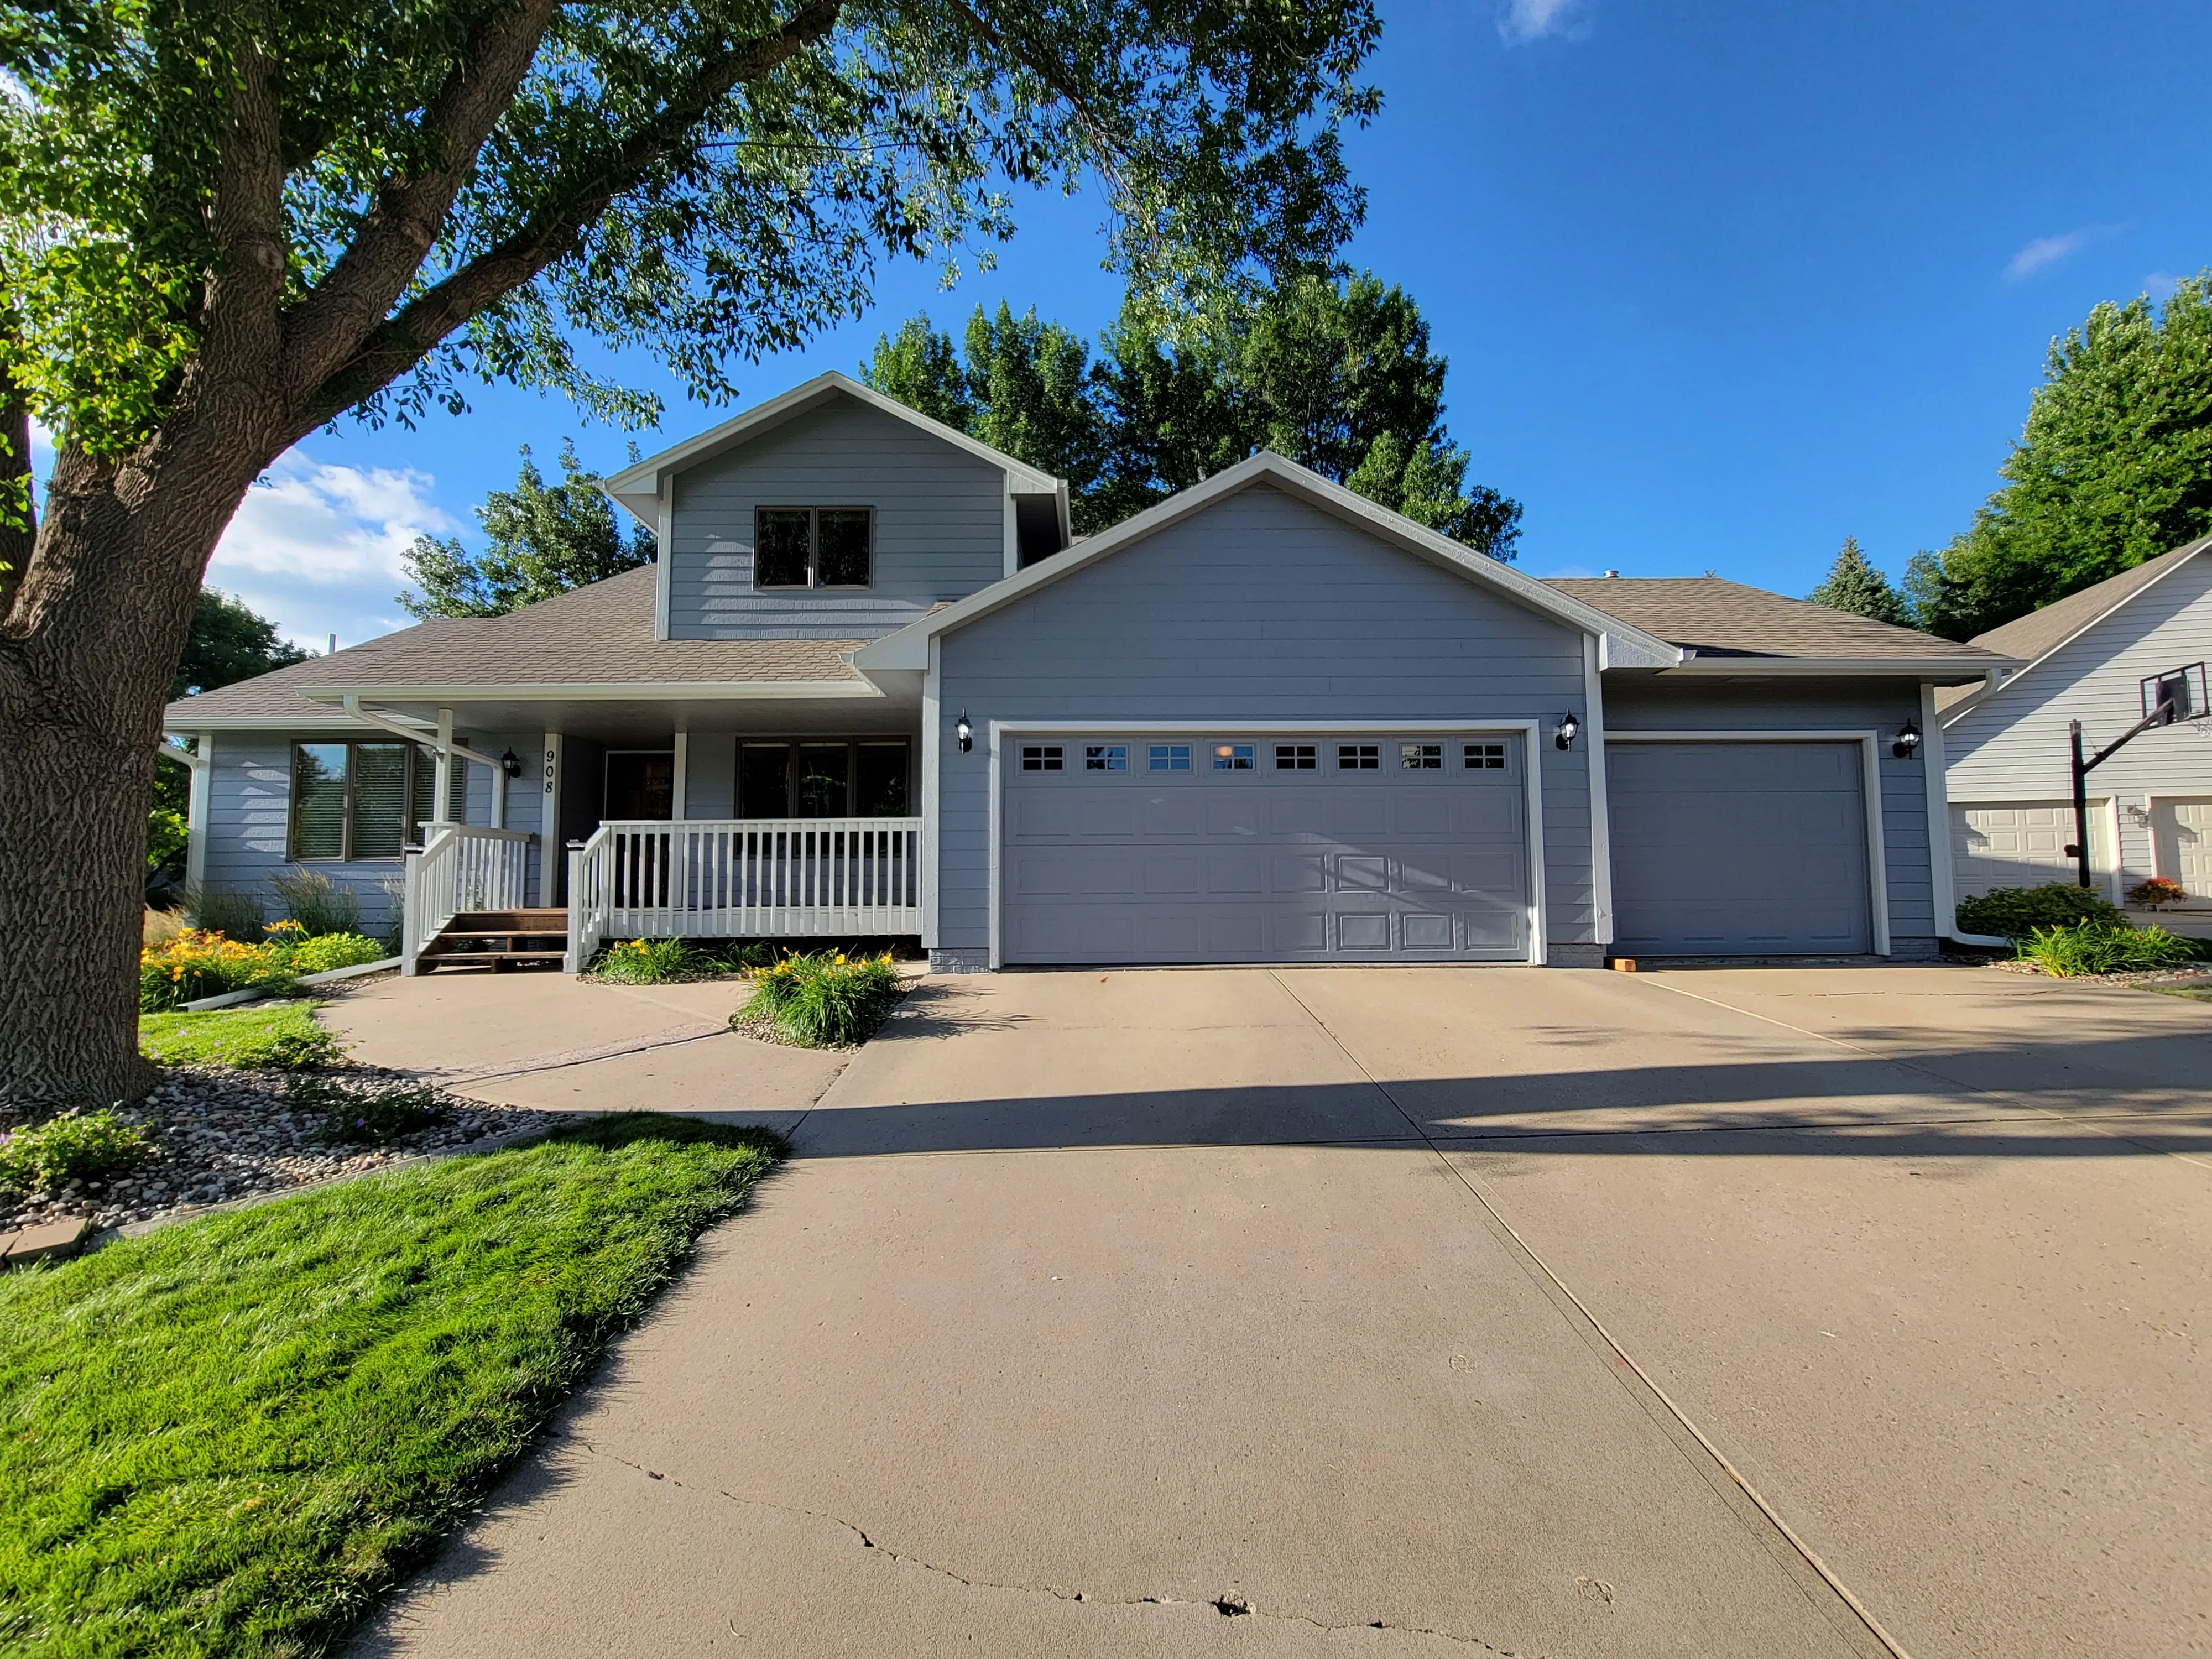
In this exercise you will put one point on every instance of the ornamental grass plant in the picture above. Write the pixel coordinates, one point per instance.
(825, 1000)
(2104, 947)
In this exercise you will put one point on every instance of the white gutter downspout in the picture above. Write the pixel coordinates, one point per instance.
(1941, 879)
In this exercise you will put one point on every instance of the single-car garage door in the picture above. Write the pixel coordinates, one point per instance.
(2022, 843)
(1738, 848)
(1324, 848)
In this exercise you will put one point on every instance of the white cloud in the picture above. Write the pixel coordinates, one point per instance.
(2160, 284)
(315, 547)
(1568, 571)
(1520, 21)
(2045, 251)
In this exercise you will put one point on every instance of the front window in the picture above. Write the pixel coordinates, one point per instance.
(865, 777)
(813, 547)
(365, 801)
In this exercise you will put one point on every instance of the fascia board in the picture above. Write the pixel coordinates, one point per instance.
(1935, 669)
(909, 648)
(193, 726)
(2020, 669)
(603, 691)
(640, 482)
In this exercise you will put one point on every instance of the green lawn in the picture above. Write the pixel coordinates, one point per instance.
(229, 1435)
(283, 1034)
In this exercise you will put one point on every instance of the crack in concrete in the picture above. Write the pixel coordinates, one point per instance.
(1229, 1604)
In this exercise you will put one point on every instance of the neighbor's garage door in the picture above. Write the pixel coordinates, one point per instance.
(2021, 844)
(1375, 847)
(1738, 848)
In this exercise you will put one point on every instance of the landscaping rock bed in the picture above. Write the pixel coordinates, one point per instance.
(2191, 977)
(221, 1134)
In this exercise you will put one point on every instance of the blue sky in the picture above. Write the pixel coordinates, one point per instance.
(1720, 283)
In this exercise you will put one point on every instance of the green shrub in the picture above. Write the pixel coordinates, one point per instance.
(327, 952)
(75, 1146)
(2014, 912)
(277, 1036)
(2104, 947)
(166, 835)
(370, 1114)
(318, 904)
(826, 1000)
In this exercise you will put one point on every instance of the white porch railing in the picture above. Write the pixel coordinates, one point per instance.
(461, 867)
(744, 878)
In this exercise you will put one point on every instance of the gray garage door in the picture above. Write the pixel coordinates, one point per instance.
(1739, 849)
(1374, 847)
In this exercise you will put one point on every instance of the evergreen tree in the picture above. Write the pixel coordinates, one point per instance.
(2113, 467)
(1856, 586)
(1337, 376)
(228, 643)
(545, 539)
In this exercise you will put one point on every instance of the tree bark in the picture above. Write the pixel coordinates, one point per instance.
(87, 652)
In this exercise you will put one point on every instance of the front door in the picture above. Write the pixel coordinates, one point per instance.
(640, 783)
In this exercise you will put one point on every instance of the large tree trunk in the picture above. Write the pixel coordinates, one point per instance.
(86, 652)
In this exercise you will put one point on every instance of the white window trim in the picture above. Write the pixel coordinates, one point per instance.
(1869, 787)
(1532, 783)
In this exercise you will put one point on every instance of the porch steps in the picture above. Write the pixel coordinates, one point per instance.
(498, 939)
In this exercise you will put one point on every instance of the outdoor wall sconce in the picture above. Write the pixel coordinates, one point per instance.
(1907, 743)
(511, 763)
(1567, 731)
(964, 732)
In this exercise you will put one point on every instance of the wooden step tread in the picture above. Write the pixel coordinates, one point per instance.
(552, 919)
(488, 958)
(502, 932)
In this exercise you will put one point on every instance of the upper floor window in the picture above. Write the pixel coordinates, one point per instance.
(813, 546)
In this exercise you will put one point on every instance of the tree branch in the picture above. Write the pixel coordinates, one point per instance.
(398, 231)
(567, 209)
(241, 316)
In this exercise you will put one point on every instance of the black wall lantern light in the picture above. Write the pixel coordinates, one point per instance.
(1568, 728)
(964, 732)
(1907, 742)
(511, 763)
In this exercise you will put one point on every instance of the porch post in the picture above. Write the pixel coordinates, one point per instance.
(443, 775)
(551, 866)
(683, 765)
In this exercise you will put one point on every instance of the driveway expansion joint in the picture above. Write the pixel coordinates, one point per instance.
(1229, 1604)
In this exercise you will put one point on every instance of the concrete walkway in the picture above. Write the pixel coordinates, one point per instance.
(1100, 1308)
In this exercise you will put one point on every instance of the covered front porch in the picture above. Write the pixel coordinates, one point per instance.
(667, 821)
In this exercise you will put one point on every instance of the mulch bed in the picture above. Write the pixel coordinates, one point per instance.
(2194, 976)
(221, 1135)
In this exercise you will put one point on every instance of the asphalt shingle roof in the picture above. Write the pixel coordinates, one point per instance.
(2045, 630)
(601, 635)
(1723, 618)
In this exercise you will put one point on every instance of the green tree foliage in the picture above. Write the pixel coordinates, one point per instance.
(229, 642)
(1336, 375)
(544, 539)
(2114, 467)
(1854, 585)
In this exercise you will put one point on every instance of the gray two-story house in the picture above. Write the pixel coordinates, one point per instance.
(871, 686)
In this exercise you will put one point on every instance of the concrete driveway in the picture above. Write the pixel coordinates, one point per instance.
(1367, 1310)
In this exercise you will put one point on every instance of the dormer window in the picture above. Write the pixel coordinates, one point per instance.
(813, 547)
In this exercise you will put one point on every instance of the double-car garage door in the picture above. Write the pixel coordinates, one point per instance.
(1377, 846)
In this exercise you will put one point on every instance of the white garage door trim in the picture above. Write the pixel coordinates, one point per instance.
(1532, 783)
(1870, 787)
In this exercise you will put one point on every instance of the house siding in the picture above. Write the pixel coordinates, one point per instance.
(249, 815)
(1880, 706)
(1259, 608)
(2012, 745)
(941, 527)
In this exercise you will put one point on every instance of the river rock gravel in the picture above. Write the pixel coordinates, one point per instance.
(220, 1135)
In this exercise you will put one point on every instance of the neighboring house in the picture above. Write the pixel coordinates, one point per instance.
(2099, 657)
(870, 688)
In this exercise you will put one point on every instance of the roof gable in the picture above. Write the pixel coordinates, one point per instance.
(1625, 644)
(637, 487)
(2041, 635)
